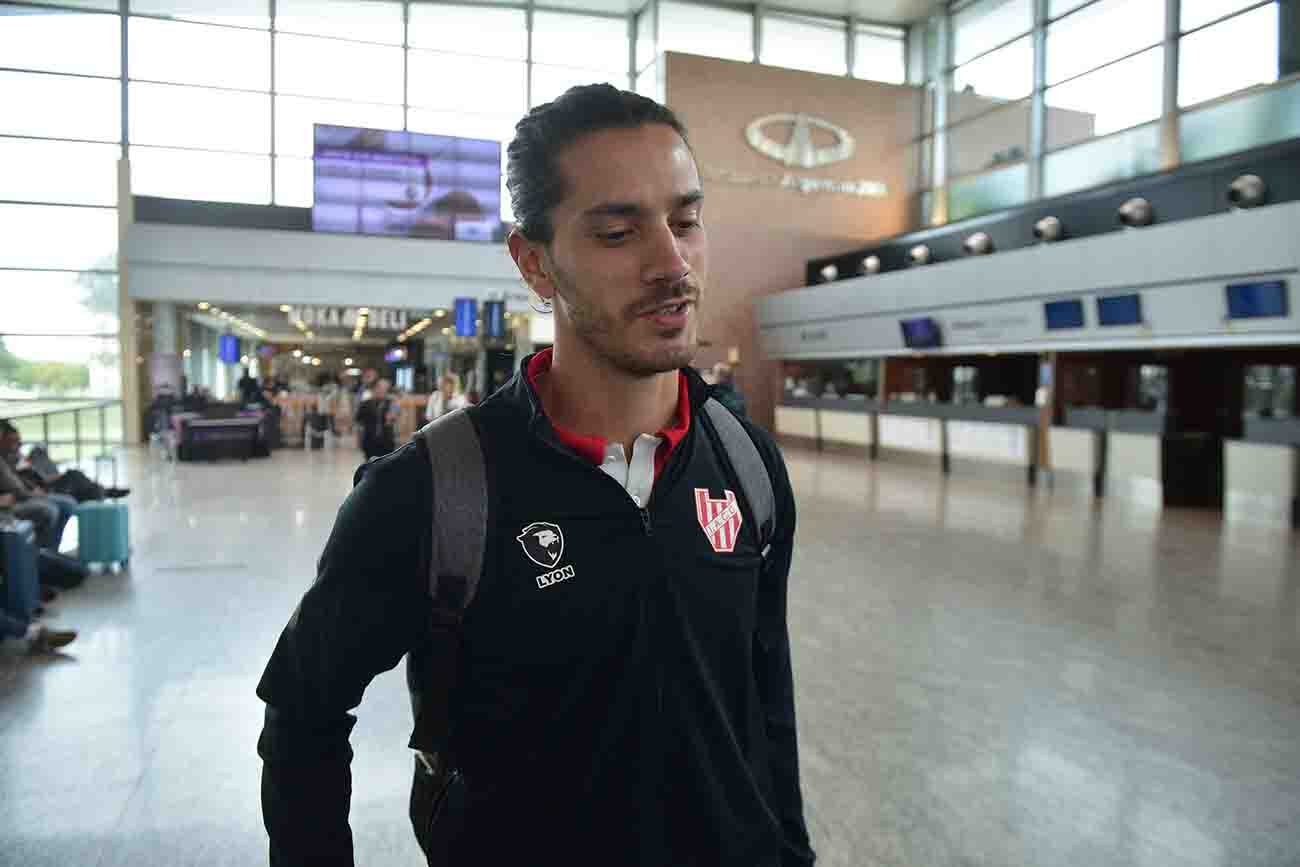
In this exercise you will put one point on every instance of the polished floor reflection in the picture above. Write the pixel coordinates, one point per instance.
(985, 676)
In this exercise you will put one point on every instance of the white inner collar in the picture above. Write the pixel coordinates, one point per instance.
(637, 476)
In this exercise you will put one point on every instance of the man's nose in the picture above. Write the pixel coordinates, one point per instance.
(664, 261)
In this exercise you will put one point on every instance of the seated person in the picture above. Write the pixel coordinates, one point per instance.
(49, 512)
(38, 637)
(43, 477)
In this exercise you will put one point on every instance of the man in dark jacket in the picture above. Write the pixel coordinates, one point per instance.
(623, 695)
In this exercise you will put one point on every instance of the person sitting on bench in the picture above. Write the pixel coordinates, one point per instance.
(41, 474)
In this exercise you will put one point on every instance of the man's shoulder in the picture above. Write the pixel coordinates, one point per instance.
(397, 470)
(763, 441)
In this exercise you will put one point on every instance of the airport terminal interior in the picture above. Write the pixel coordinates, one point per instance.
(1008, 281)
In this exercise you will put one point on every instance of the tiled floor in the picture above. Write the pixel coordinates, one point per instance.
(985, 677)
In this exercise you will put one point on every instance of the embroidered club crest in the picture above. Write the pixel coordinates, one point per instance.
(719, 519)
(543, 543)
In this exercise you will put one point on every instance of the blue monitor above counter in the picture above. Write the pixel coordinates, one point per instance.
(1061, 315)
(1257, 300)
(921, 333)
(1119, 310)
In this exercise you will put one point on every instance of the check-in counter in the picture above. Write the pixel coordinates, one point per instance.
(846, 423)
(907, 433)
(1077, 454)
(1134, 450)
(797, 422)
(1260, 471)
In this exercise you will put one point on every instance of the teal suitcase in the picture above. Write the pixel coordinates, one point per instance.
(103, 533)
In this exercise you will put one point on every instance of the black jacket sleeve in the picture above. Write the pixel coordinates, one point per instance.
(773, 670)
(367, 607)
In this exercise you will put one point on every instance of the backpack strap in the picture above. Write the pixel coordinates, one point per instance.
(457, 540)
(755, 480)
(459, 511)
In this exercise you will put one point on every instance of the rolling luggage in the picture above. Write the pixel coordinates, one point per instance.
(103, 535)
(18, 562)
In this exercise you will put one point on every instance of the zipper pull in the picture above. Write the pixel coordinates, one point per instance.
(645, 522)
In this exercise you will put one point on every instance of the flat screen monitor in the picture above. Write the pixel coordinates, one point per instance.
(466, 317)
(1063, 314)
(494, 319)
(413, 185)
(1257, 300)
(1119, 310)
(921, 333)
(228, 348)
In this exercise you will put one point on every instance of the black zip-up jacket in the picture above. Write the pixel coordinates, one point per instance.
(636, 712)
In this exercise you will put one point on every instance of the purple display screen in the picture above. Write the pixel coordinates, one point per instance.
(412, 185)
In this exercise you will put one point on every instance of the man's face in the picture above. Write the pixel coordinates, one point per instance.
(627, 266)
(10, 442)
(381, 388)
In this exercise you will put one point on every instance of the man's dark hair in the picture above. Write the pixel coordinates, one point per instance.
(532, 176)
(6, 427)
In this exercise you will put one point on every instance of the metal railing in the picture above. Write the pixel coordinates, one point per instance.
(18, 410)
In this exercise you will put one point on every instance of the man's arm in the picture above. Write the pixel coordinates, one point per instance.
(773, 669)
(367, 607)
(10, 483)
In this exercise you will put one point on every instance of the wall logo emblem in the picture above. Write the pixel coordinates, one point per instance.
(799, 151)
(719, 519)
(543, 543)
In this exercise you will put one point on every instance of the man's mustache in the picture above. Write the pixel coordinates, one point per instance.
(681, 290)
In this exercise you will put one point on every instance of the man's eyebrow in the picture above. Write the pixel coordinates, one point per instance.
(632, 209)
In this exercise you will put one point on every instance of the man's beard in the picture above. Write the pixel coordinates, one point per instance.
(601, 332)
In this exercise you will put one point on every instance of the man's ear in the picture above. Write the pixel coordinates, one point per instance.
(530, 259)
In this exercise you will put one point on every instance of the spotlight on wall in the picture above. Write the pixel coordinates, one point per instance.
(1247, 191)
(871, 265)
(1137, 211)
(978, 244)
(829, 273)
(919, 255)
(347, 362)
(1049, 229)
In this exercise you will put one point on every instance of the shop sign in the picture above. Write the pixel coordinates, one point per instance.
(799, 151)
(377, 318)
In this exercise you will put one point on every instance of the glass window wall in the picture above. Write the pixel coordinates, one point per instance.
(60, 106)
(1250, 40)
(361, 20)
(480, 83)
(586, 41)
(184, 53)
(1101, 33)
(201, 175)
(879, 54)
(981, 26)
(1090, 106)
(57, 40)
(804, 42)
(235, 13)
(58, 237)
(312, 66)
(63, 172)
(485, 32)
(177, 116)
(710, 31)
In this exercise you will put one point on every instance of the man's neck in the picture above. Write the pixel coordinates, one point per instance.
(591, 398)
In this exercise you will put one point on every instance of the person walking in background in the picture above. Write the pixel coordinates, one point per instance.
(724, 388)
(622, 692)
(446, 398)
(377, 420)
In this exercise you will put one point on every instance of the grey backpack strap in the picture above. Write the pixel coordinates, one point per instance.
(755, 480)
(459, 510)
(460, 507)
